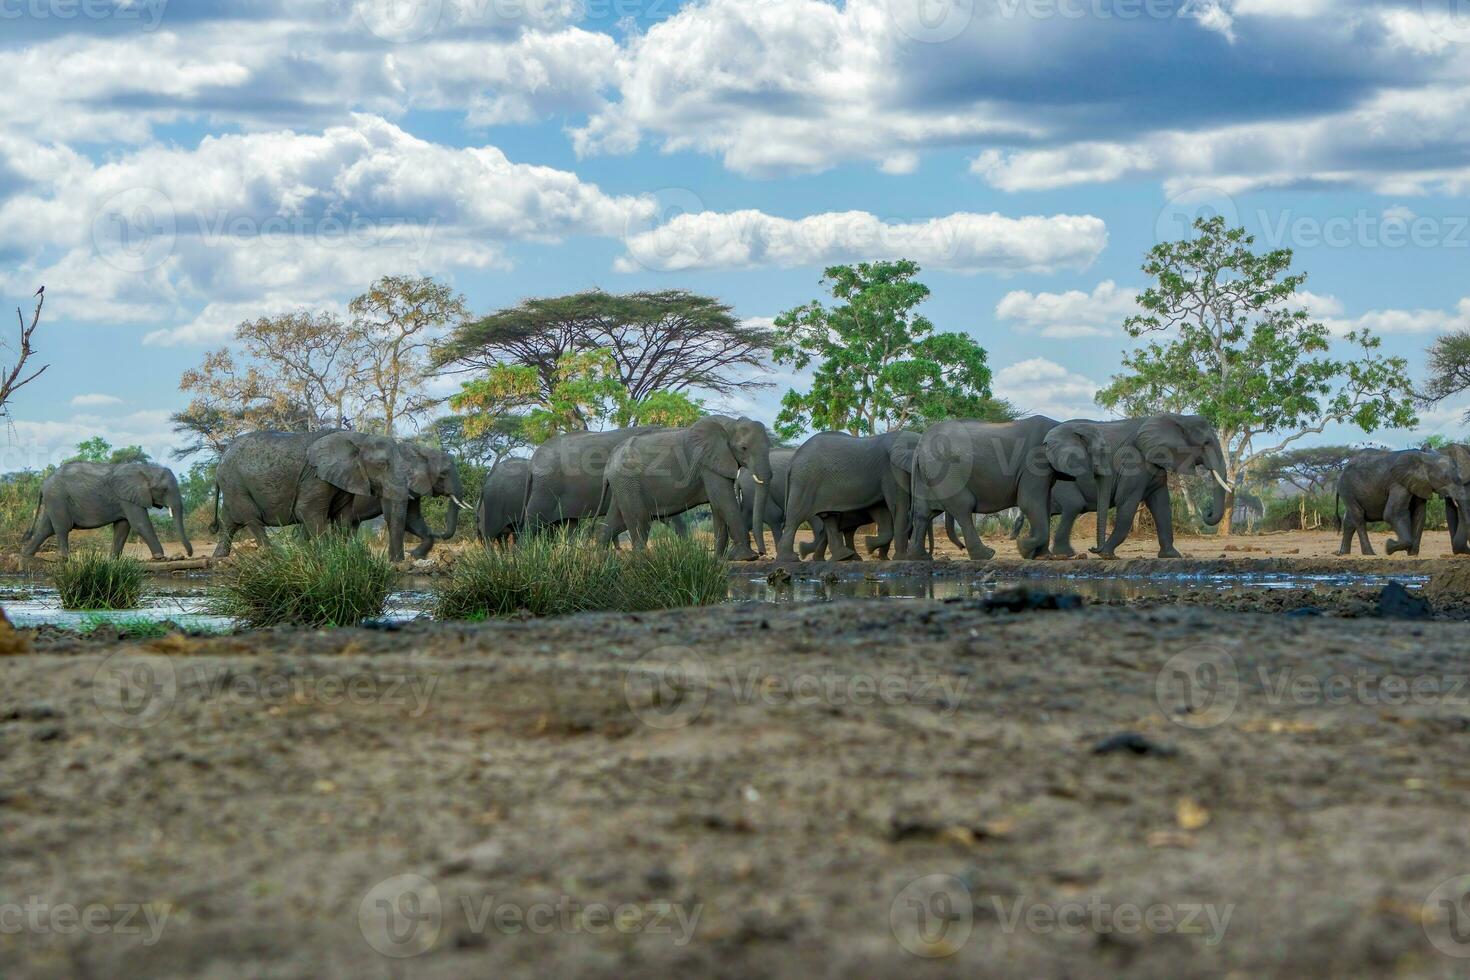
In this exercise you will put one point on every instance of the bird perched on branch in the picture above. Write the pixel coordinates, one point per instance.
(41, 291)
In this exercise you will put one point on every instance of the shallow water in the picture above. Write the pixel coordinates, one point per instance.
(29, 603)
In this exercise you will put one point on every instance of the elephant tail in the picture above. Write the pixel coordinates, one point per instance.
(214, 524)
(36, 517)
(1337, 508)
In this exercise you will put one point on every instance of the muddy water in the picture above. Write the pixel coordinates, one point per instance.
(29, 602)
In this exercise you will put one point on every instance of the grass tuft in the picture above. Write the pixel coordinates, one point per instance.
(334, 580)
(561, 572)
(93, 580)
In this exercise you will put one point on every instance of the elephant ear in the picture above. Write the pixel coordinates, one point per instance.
(901, 452)
(419, 469)
(1071, 449)
(337, 459)
(1163, 442)
(710, 439)
(131, 485)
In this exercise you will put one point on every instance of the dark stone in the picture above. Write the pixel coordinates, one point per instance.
(1397, 602)
(31, 712)
(1021, 599)
(1305, 611)
(1134, 743)
(384, 625)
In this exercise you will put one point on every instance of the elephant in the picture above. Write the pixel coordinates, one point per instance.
(1127, 462)
(1069, 501)
(1460, 454)
(503, 500)
(835, 472)
(87, 495)
(664, 473)
(566, 482)
(776, 512)
(276, 479)
(964, 466)
(444, 482)
(747, 488)
(1384, 485)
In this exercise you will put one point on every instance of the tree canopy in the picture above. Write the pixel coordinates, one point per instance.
(880, 365)
(1235, 345)
(1449, 368)
(1311, 469)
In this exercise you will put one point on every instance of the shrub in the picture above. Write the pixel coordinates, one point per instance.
(92, 580)
(334, 580)
(562, 572)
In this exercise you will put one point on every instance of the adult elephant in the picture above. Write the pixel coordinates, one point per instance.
(1127, 463)
(664, 473)
(1460, 454)
(567, 475)
(276, 479)
(835, 473)
(88, 495)
(748, 489)
(444, 482)
(963, 467)
(849, 524)
(1069, 501)
(1382, 485)
(502, 507)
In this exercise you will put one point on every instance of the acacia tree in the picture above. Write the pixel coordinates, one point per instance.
(880, 365)
(670, 340)
(393, 325)
(1449, 369)
(1235, 348)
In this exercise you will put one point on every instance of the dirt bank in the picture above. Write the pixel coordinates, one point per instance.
(831, 789)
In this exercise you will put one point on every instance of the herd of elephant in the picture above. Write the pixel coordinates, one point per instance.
(835, 483)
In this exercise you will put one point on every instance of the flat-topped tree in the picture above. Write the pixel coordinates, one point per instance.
(1230, 340)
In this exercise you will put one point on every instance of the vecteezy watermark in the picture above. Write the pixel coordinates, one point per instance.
(407, 21)
(1446, 916)
(134, 691)
(39, 917)
(932, 916)
(669, 687)
(403, 916)
(1198, 688)
(932, 21)
(139, 229)
(1450, 19)
(147, 14)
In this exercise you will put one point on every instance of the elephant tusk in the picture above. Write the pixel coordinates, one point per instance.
(757, 479)
(1226, 484)
(461, 503)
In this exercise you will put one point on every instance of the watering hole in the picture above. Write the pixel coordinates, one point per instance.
(30, 602)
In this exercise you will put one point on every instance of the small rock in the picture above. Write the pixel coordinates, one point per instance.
(1397, 602)
(1021, 599)
(1134, 743)
(49, 733)
(1304, 611)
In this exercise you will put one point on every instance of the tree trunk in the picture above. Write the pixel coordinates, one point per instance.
(1229, 514)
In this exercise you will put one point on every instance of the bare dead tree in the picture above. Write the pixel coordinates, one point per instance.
(16, 378)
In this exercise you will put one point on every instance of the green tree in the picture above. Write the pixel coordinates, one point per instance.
(880, 365)
(1449, 369)
(93, 450)
(393, 325)
(1235, 347)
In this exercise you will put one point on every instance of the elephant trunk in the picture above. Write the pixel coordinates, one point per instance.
(1104, 504)
(1459, 499)
(451, 523)
(176, 508)
(758, 515)
(1214, 511)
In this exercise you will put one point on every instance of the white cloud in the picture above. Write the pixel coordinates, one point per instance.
(34, 445)
(1043, 387)
(95, 400)
(963, 242)
(1071, 314)
(1421, 321)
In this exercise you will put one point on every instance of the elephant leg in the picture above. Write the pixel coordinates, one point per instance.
(1127, 510)
(1364, 545)
(120, 532)
(722, 535)
(883, 517)
(138, 518)
(962, 509)
(1349, 525)
(1163, 515)
(1416, 524)
(1033, 496)
(1063, 538)
(43, 531)
(1398, 513)
(419, 527)
(680, 524)
(838, 542)
(816, 548)
(721, 494)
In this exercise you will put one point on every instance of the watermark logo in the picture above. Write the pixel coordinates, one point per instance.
(653, 237)
(148, 14)
(933, 916)
(135, 230)
(1177, 217)
(1198, 688)
(1450, 19)
(39, 916)
(135, 691)
(1446, 917)
(931, 21)
(401, 21)
(401, 916)
(667, 688)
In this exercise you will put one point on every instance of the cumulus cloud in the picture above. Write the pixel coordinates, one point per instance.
(33, 445)
(1070, 314)
(95, 400)
(962, 242)
(1420, 321)
(1039, 386)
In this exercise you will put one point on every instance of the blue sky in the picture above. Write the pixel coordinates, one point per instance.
(167, 170)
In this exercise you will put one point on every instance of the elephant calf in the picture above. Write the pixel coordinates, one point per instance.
(1381, 485)
(88, 495)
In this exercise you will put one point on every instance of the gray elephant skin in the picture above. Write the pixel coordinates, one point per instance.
(1383, 485)
(444, 482)
(277, 479)
(776, 512)
(567, 475)
(665, 473)
(88, 495)
(503, 500)
(1127, 463)
(1069, 502)
(964, 467)
(836, 473)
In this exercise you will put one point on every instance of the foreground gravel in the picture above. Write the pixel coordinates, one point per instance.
(847, 788)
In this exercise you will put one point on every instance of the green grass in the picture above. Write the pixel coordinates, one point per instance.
(92, 580)
(562, 572)
(335, 580)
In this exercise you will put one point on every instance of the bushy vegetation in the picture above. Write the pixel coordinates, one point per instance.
(562, 572)
(18, 495)
(93, 580)
(334, 580)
